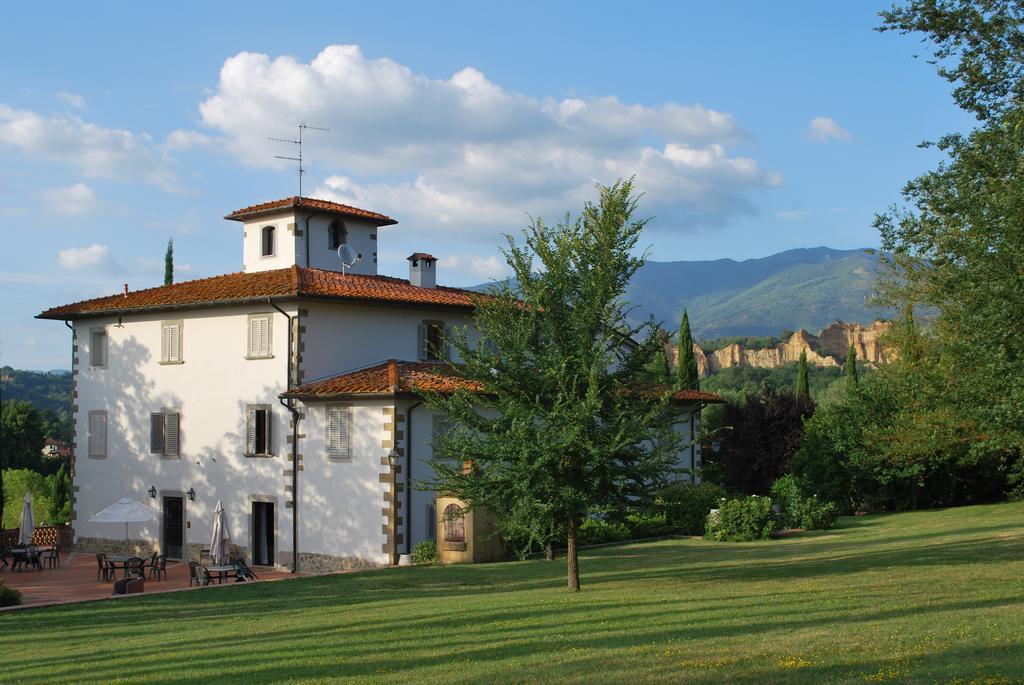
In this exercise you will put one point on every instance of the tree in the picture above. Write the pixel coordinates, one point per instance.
(169, 262)
(23, 436)
(765, 431)
(958, 243)
(563, 421)
(850, 369)
(60, 497)
(803, 390)
(688, 379)
(661, 372)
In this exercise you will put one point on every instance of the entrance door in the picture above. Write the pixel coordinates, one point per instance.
(174, 527)
(263, 533)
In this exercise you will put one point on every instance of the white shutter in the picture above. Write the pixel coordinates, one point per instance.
(334, 431)
(250, 431)
(254, 338)
(422, 343)
(156, 433)
(344, 449)
(174, 343)
(165, 343)
(172, 422)
(98, 434)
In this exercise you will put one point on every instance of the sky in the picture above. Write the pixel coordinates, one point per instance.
(751, 128)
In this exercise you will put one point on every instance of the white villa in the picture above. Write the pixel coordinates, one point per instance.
(280, 390)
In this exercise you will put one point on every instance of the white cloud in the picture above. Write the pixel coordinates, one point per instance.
(95, 151)
(95, 257)
(73, 99)
(152, 265)
(75, 199)
(823, 129)
(467, 157)
(485, 268)
(180, 139)
(792, 214)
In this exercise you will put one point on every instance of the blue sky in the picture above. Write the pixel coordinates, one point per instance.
(751, 127)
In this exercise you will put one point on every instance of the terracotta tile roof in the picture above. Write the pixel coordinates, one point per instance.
(386, 378)
(416, 377)
(289, 283)
(421, 255)
(310, 203)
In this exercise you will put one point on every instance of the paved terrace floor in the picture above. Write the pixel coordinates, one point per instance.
(76, 581)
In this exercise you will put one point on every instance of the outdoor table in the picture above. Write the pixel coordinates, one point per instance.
(21, 555)
(114, 564)
(222, 572)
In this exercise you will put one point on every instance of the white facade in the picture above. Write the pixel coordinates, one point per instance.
(215, 371)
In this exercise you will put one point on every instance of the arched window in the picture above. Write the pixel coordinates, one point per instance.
(336, 234)
(454, 524)
(268, 241)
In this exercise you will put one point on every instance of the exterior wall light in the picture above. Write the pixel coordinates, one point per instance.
(152, 491)
(191, 494)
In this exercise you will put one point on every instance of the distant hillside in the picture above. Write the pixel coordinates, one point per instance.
(46, 390)
(803, 288)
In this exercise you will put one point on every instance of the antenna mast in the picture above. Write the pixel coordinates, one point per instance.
(302, 169)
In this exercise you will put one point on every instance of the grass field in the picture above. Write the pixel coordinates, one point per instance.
(918, 597)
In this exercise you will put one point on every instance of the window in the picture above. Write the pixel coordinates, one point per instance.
(98, 347)
(258, 434)
(98, 434)
(164, 433)
(433, 341)
(337, 234)
(440, 427)
(259, 337)
(267, 243)
(170, 342)
(454, 524)
(339, 420)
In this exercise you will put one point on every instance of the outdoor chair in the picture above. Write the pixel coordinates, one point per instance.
(135, 566)
(158, 567)
(242, 571)
(103, 569)
(32, 552)
(203, 576)
(3, 560)
(52, 558)
(193, 574)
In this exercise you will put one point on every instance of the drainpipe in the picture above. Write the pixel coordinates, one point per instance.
(306, 236)
(290, 406)
(408, 475)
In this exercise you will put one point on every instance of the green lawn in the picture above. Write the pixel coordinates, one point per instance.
(919, 597)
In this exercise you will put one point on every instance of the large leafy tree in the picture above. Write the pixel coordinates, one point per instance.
(563, 421)
(958, 243)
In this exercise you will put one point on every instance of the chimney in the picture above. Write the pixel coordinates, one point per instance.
(393, 375)
(422, 271)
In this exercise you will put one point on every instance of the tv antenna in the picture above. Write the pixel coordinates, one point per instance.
(302, 127)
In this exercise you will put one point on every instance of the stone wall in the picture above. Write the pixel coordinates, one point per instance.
(116, 547)
(324, 563)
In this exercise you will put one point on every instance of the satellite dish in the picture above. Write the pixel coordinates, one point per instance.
(348, 256)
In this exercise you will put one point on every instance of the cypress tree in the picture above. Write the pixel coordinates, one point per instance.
(803, 390)
(169, 262)
(687, 378)
(850, 367)
(661, 373)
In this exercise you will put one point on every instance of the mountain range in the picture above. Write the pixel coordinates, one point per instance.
(805, 288)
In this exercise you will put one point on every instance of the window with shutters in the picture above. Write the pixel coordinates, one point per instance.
(165, 433)
(454, 524)
(97, 347)
(339, 437)
(267, 242)
(259, 423)
(170, 342)
(98, 434)
(440, 428)
(259, 337)
(433, 341)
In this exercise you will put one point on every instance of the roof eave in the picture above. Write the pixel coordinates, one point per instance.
(245, 216)
(166, 307)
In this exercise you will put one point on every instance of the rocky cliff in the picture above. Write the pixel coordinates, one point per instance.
(828, 348)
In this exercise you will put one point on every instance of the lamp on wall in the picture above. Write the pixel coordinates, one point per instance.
(152, 491)
(191, 494)
(393, 457)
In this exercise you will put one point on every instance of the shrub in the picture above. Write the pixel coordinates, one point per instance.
(800, 511)
(9, 597)
(424, 552)
(686, 506)
(647, 525)
(595, 531)
(742, 520)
